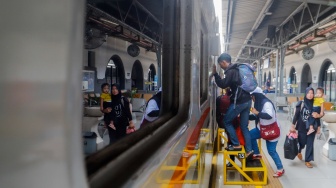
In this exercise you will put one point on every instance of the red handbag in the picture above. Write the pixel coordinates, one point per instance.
(130, 130)
(270, 132)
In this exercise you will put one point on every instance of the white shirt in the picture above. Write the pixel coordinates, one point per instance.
(150, 107)
(268, 108)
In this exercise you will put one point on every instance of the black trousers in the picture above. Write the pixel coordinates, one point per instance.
(308, 140)
(119, 133)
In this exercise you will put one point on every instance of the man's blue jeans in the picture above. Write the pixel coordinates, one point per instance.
(271, 147)
(244, 111)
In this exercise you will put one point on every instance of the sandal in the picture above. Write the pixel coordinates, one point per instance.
(309, 165)
(279, 173)
(257, 156)
(310, 131)
(299, 155)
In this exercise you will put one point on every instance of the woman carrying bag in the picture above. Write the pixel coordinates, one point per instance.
(121, 115)
(264, 113)
(302, 112)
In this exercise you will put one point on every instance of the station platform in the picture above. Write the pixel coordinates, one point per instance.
(322, 175)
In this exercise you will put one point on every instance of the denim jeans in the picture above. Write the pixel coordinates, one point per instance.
(271, 147)
(244, 111)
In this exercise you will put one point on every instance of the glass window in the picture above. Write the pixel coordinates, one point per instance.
(111, 74)
(329, 83)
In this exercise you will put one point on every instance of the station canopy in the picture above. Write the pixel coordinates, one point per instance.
(254, 28)
(251, 29)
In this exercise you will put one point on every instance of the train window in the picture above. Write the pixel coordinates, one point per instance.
(203, 68)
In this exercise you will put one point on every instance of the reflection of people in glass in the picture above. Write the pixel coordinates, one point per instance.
(105, 104)
(120, 114)
(90, 83)
(152, 109)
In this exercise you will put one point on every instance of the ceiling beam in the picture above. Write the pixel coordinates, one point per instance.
(245, 58)
(254, 46)
(260, 18)
(321, 2)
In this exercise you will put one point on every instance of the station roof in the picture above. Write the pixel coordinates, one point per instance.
(253, 28)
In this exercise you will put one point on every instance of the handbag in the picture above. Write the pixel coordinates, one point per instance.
(130, 130)
(270, 132)
(291, 146)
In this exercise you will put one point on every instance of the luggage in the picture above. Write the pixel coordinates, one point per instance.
(222, 105)
(291, 146)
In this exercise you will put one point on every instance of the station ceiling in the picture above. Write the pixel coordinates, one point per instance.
(251, 28)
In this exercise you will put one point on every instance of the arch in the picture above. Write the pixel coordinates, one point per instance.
(115, 72)
(292, 75)
(306, 78)
(151, 75)
(137, 75)
(327, 79)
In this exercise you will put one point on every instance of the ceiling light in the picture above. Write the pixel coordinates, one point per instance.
(268, 13)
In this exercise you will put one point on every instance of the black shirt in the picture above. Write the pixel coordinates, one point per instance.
(232, 80)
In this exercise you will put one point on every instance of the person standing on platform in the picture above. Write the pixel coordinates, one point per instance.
(267, 86)
(152, 111)
(303, 112)
(241, 106)
(121, 116)
(265, 113)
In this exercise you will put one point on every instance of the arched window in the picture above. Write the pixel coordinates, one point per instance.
(329, 85)
(115, 72)
(151, 76)
(111, 73)
(306, 78)
(137, 76)
(292, 75)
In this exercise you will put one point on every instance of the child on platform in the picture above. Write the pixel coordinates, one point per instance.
(105, 104)
(315, 123)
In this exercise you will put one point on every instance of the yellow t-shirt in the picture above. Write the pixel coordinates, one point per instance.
(318, 101)
(106, 97)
